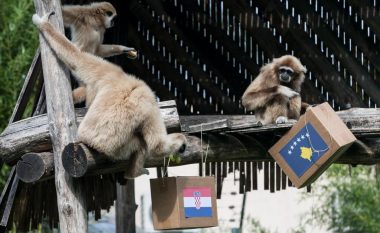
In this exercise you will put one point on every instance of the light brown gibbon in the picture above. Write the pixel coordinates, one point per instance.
(274, 95)
(88, 24)
(124, 120)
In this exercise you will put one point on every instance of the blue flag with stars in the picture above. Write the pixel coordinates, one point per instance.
(304, 149)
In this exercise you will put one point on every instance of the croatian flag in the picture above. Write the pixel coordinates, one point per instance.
(197, 202)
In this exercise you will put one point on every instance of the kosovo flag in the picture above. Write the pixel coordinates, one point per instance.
(304, 149)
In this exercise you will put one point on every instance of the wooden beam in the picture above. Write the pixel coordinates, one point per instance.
(33, 74)
(32, 134)
(126, 207)
(217, 147)
(62, 126)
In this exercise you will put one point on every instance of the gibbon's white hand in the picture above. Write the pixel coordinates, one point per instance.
(286, 91)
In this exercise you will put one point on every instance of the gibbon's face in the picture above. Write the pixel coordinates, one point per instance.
(289, 70)
(108, 13)
(285, 74)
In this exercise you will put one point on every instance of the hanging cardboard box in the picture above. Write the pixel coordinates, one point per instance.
(312, 145)
(183, 202)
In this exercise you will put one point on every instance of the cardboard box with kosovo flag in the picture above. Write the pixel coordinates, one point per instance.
(183, 202)
(312, 145)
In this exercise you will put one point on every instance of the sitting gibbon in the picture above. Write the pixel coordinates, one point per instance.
(88, 24)
(275, 93)
(124, 118)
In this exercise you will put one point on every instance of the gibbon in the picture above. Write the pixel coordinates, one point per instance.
(275, 93)
(88, 24)
(124, 119)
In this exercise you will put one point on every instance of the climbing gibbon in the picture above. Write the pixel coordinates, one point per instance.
(274, 95)
(124, 120)
(88, 24)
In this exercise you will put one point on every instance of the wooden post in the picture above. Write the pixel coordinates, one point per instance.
(62, 126)
(126, 208)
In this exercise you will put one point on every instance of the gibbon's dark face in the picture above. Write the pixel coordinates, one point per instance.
(285, 74)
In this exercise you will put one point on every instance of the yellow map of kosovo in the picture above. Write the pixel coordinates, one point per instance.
(306, 153)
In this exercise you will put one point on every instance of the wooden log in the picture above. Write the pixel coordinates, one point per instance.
(126, 208)
(62, 126)
(33, 166)
(32, 134)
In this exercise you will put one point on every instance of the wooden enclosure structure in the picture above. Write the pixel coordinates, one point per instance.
(203, 54)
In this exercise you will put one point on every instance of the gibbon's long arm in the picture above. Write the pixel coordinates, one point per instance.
(253, 99)
(109, 50)
(84, 66)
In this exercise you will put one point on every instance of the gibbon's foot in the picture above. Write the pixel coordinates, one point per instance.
(281, 120)
(131, 52)
(143, 171)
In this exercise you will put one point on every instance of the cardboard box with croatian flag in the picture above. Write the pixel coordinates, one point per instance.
(312, 145)
(183, 202)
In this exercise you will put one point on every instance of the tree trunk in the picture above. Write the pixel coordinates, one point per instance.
(62, 126)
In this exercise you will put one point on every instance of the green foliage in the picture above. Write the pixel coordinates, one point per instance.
(18, 43)
(255, 226)
(348, 200)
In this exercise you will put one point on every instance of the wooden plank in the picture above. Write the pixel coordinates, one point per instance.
(266, 175)
(219, 180)
(213, 126)
(9, 203)
(33, 74)
(283, 179)
(241, 177)
(62, 127)
(254, 176)
(278, 177)
(272, 177)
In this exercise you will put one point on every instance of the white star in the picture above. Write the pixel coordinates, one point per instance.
(303, 137)
(298, 139)
(295, 143)
(289, 152)
(307, 135)
(291, 147)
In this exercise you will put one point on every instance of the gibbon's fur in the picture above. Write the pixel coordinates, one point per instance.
(88, 24)
(124, 119)
(275, 93)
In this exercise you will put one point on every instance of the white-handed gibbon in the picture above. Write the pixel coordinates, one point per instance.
(124, 119)
(274, 95)
(88, 24)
